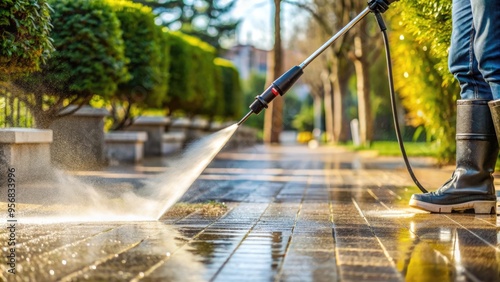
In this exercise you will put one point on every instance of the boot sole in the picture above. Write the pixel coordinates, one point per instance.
(480, 207)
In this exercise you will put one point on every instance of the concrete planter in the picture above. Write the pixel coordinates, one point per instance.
(27, 151)
(125, 147)
(79, 139)
(244, 137)
(180, 125)
(155, 128)
(199, 128)
(173, 142)
(216, 126)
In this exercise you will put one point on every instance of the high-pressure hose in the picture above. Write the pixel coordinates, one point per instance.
(390, 77)
(280, 86)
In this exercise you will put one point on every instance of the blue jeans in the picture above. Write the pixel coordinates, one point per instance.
(474, 57)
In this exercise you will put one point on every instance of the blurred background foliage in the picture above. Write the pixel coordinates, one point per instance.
(89, 59)
(24, 40)
(125, 56)
(110, 53)
(420, 36)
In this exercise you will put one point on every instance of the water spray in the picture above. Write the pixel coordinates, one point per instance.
(281, 85)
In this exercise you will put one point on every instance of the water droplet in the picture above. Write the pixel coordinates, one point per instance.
(52, 272)
(141, 274)
(93, 267)
(64, 262)
(168, 254)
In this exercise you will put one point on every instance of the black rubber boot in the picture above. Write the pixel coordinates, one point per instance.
(471, 185)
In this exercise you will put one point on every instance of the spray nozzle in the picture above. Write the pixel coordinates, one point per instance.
(278, 88)
(245, 118)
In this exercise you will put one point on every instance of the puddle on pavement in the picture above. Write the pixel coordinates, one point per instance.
(98, 252)
(440, 251)
(237, 251)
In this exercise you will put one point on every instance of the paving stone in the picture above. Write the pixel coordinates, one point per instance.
(294, 214)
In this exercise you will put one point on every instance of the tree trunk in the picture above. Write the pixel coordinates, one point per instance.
(338, 110)
(317, 103)
(273, 121)
(329, 112)
(363, 89)
(43, 118)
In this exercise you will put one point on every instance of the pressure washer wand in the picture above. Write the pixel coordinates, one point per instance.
(281, 85)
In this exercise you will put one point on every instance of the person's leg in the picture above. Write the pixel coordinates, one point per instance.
(462, 61)
(487, 49)
(471, 185)
(486, 44)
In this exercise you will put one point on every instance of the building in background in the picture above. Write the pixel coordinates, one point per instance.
(247, 59)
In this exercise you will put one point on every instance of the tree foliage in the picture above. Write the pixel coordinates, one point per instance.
(252, 87)
(208, 20)
(230, 88)
(141, 38)
(89, 59)
(111, 53)
(192, 80)
(304, 120)
(421, 37)
(24, 35)
(145, 47)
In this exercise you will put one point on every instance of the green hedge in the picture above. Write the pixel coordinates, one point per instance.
(163, 78)
(422, 78)
(89, 57)
(113, 51)
(205, 75)
(193, 75)
(24, 40)
(232, 94)
(142, 41)
(181, 74)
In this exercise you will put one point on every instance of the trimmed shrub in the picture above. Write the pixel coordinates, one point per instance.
(89, 59)
(24, 37)
(141, 37)
(192, 75)
(428, 90)
(232, 94)
(143, 41)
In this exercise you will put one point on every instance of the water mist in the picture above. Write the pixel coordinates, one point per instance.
(83, 202)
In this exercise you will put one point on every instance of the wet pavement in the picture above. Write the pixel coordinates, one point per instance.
(293, 214)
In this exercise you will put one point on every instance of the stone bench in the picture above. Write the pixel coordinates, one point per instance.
(79, 139)
(125, 146)
(154, 126)
(26, 150)
(173, 142)
(180, 125)
(244, 137)
(199, 128)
